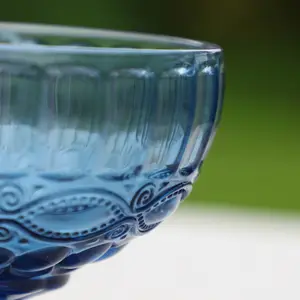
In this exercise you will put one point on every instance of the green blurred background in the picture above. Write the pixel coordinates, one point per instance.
(254, 161)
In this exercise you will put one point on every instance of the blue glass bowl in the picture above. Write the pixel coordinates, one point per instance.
(102, 135)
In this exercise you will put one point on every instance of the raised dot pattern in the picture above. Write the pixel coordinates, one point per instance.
(62, 252)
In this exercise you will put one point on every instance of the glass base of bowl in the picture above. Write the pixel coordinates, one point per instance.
(48, 228)
(21, 289)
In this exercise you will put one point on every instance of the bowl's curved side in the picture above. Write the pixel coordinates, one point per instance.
(96, 150)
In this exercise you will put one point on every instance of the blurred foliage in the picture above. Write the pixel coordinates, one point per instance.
(255, 158)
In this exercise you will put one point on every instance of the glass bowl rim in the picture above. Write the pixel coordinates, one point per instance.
(176, 44)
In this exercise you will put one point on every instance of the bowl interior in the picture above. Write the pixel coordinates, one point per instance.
(29, 34)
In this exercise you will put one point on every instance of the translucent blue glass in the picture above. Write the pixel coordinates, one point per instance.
(102, 135)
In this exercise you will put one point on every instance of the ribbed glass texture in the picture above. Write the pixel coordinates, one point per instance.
(102, 135)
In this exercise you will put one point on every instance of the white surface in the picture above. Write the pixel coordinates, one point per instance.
(205, 255)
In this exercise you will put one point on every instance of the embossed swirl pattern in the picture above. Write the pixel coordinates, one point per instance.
(44, 233)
